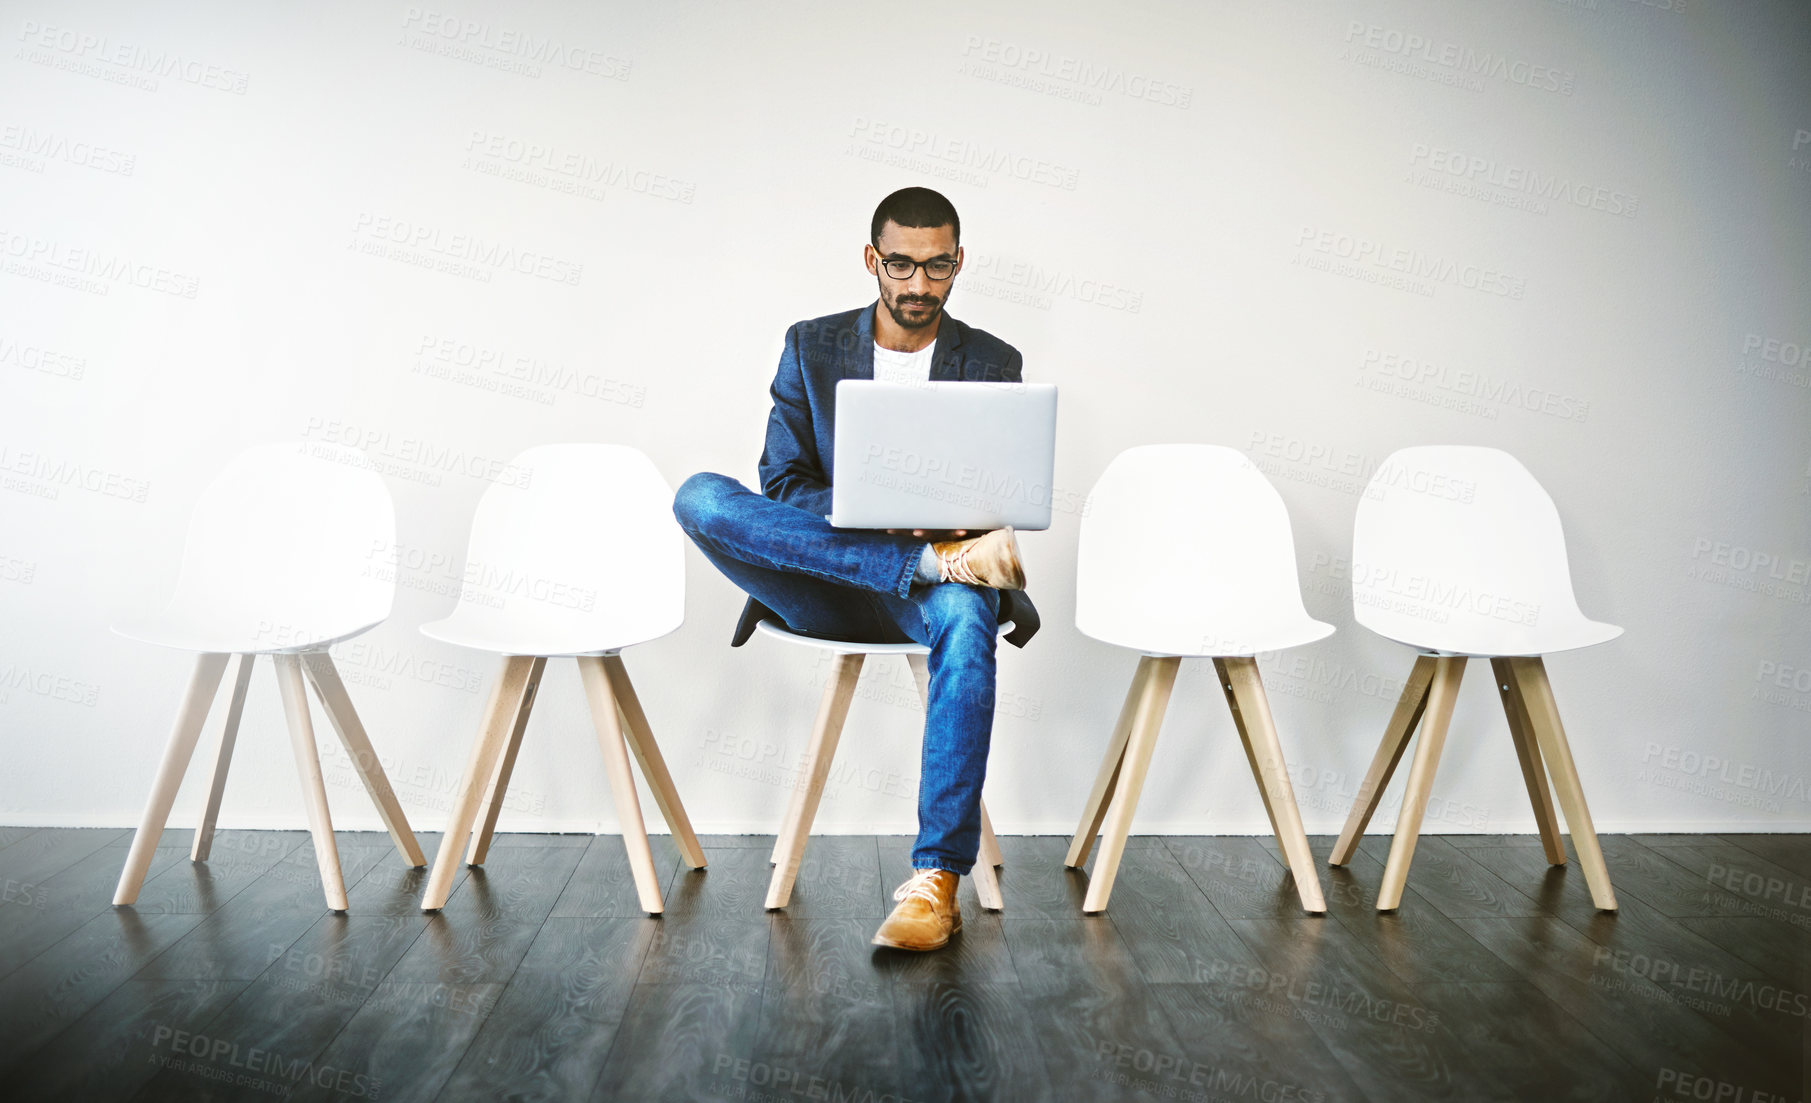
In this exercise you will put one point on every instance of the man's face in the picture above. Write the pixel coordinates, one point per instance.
(916, 301)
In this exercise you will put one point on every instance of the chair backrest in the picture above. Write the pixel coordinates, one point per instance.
(288, 542)
(1186, 549)
(1458, 548)
(588, 548)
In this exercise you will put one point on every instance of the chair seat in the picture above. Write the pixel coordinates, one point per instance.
(222, 634)
(851, 647)
(1504, 640)
(471, 628)
(1190, 642)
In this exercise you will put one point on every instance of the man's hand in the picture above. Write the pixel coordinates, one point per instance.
(931, 535)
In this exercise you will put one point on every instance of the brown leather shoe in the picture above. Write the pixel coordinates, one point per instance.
(991, 559)
(927, 914)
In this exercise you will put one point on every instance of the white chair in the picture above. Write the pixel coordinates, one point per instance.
(278, 561)
(1186, 552)
(1457, 551)
(584, 561)
(839, 690)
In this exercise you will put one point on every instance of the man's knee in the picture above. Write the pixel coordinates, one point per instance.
(698, 497)
(953, 606)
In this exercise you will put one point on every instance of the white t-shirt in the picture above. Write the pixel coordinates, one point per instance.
(903, 367)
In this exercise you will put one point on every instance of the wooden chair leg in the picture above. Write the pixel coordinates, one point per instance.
(987, 885)
(331, 690)
(795, 804)
(990, 846)
(1251, 758)
(499, 720)
(190, 716)
(1146, 720)
(796, 831)
(479, 847)
(987, 882)
(605, 717)
(1528, 754)
(1543, 713)
(308, 768)
(226, 733)
(1106, 779)
(1441, 692)
(653, 766)
(1409, 708)
(1251, 712)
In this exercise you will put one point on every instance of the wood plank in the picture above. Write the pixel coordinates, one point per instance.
(827, 1008)
(236, 861)
(1529, 1044)
(1418, 943)
(603, 885)
(492, 918)
(1636, 1018)
(734, 886)
(41, 914)
(694, 950)
(1790, 851)
(1225, 1052)
(1662, 883)
(45, 853)
(1237, 874)
(110, 1052)
(547, 1039)
(683, 1041)
(63, 983)
(240, 938)
(1385, 1036)
(14, 833)
(1055, 958)
(1458, 886)
(293, 1011)
(839, 878)
(402, 1044)
(1034, 881)
(394, 887)
(1173, 933)
(961, 1039)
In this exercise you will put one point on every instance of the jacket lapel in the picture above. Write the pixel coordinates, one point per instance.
(946, 362)
(858, 352)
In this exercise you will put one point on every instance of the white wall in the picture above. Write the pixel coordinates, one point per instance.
(1612, 218)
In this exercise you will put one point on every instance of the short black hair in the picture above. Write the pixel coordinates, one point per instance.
(917, 208)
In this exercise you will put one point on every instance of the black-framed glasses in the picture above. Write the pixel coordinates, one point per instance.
(904, 268)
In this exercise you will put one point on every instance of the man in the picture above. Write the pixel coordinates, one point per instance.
(944, 590)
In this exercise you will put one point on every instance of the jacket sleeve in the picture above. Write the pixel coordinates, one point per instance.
(791, 470)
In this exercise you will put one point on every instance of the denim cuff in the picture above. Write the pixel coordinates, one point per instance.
(943, 864)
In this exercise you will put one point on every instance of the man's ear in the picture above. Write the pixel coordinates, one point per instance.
(959, 255)
(871, 260)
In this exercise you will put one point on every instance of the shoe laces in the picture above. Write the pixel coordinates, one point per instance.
(956, 568)
(922, 886)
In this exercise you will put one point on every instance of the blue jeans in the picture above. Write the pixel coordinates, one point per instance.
(844, 585)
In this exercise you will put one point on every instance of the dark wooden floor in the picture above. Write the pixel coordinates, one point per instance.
(541, 980)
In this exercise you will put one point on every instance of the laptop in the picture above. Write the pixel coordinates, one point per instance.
(943, 455)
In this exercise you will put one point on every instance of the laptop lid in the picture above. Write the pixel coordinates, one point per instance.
(943, 455)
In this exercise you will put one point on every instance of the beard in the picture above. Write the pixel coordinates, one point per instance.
(905, 321)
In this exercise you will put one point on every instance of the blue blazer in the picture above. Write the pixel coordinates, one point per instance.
(801, 427)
